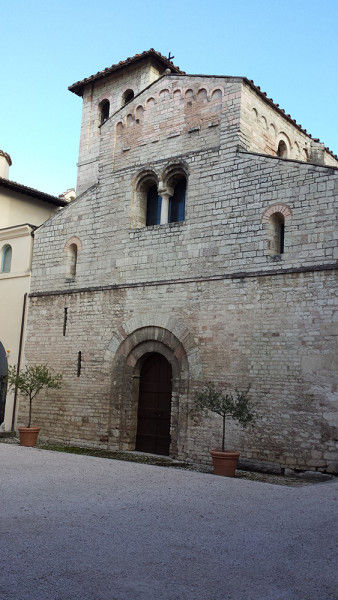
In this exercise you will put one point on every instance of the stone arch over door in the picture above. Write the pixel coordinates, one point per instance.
(127, 362)
(3, 384)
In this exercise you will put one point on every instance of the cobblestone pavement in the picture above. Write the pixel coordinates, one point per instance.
(84, 528)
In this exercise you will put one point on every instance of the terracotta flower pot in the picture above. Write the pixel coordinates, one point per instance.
(28, 435)
(224, 463)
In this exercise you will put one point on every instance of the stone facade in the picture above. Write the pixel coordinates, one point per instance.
(212, 293)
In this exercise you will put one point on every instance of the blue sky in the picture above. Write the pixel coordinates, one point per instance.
(289, 48)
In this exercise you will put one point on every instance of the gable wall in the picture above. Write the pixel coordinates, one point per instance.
(241, 315)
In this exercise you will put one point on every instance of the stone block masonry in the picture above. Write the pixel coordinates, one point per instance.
(260, 330)
(241, 291)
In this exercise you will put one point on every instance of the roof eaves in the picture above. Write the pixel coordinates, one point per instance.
(28, 191)
(282, 112)
(77, 88)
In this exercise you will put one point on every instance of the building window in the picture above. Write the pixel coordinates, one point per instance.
(71, 261)
(275, 217)
(177, 202)
(72, 248)
(146, 202)
(276, 234)
(127, 97)
(159, 200)
(282, 150)
(154, 202)
(104, 111)
(6, 259)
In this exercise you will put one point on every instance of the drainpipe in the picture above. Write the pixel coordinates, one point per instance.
(19, 355)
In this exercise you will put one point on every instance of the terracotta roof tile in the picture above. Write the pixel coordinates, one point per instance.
(77, 88)
(28, 191)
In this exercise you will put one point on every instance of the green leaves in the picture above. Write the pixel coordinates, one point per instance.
(31, 380)
(237, 406)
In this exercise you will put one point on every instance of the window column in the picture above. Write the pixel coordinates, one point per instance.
(166, 194)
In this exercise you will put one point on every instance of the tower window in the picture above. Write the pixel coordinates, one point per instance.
(104, 110)
(127, 97)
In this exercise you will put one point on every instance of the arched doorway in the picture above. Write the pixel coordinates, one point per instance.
(3, 384)
(154, 405)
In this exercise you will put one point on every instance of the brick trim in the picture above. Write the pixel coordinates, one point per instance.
(284, 209)
(73, 240)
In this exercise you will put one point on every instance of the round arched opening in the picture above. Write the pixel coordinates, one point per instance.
(104, 111)
(282, 150)
(127, 97)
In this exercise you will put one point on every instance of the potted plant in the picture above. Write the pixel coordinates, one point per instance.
(238, 407)
(29, 382)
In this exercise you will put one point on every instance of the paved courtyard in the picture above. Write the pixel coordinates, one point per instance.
(83, 528)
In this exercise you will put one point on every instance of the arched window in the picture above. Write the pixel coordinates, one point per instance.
(146, 202)
(71, 261)
(104, 111)
(72, 248)
(127, 96)
(276, 233)
(175, 183)
(154, 202)
(282, 150)
(6, 259)
(177, 202)
(275, 217)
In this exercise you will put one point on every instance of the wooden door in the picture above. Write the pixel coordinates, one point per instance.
(154, 406)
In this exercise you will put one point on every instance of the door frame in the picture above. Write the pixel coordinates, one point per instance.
(145, 359)
(127, 361)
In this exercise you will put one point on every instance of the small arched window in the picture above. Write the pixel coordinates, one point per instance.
(71, 261)
(104, 111)
(275, 217)
(154, 202)
(276, 234)
(127, 97)
(282, 150)
(72, 248)
(177, 202)
(6, 259)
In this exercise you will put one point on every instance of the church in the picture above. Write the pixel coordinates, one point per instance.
(200, 247)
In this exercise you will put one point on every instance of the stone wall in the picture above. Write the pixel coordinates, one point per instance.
(227, 197)
(206, 292)
(110, 88)
(266, 331)
(263, 127)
